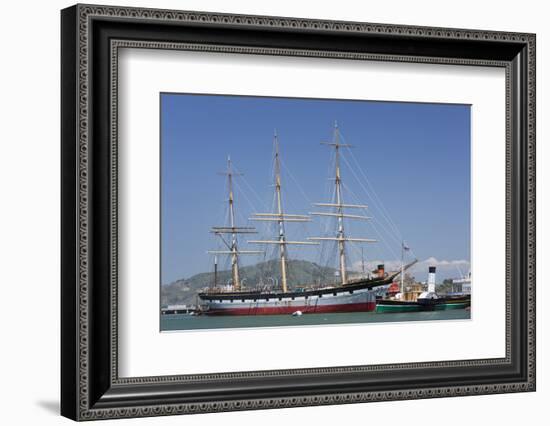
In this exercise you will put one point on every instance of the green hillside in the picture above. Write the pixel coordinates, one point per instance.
(300, 272)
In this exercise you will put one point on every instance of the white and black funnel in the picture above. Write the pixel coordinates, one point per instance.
(431, 279)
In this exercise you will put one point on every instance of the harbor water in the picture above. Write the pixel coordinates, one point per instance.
(203, 322)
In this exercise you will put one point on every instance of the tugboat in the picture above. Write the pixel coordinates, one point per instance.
(427, 301)
(431, 301)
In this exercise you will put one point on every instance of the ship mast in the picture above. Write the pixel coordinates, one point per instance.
(280, 217)
(233, 231)
(339, 206)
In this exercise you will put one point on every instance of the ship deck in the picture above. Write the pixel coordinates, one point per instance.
(267, 295)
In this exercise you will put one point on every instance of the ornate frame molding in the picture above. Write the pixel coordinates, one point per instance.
(88, 404)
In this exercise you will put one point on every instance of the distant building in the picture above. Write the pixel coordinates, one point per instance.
(176, 309)
(464, 285)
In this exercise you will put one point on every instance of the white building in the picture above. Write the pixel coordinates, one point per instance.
(465, 284)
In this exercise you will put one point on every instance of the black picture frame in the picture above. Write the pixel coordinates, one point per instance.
(90, 386)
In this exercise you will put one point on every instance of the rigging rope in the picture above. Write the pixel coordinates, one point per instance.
(396, 235)
(376, 198)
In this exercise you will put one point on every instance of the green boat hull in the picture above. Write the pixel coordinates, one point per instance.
(396, 306)
(447, 306)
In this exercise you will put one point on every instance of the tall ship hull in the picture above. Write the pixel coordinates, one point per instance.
(360, 301)
(353, 297)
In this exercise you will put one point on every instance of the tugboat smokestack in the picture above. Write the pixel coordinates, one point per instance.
(381, 271)
(431, 279)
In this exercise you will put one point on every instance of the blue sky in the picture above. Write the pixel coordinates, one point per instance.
(416, 157)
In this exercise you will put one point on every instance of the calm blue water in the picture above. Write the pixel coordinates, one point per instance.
(189, 322)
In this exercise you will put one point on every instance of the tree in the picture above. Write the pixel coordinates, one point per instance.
(446, 286)
(408, 279)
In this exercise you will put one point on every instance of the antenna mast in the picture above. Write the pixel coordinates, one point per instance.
(402, 266)
(339, 206)
(280, 217)
(362, 262)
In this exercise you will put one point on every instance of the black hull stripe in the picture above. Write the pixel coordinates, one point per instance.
(370, 284)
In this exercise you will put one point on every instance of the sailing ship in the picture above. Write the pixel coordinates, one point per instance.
(347, 295)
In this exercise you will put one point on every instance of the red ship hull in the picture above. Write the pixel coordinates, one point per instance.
(304, 309)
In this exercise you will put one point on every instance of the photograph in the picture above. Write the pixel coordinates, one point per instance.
(280, 211)
(265, 207)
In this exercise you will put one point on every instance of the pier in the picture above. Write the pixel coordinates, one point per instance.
(177, 309)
